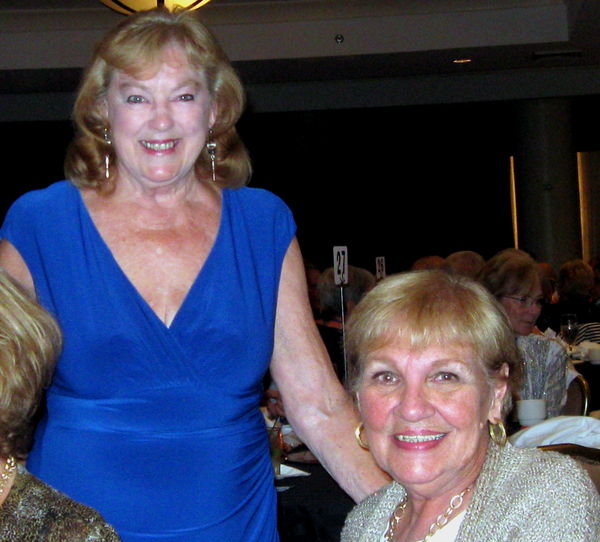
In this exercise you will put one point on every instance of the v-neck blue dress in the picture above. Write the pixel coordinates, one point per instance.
(158, 427)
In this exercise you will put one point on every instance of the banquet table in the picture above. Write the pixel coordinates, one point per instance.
(312, 508)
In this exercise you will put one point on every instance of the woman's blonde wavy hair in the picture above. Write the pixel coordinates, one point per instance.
(434, 308)
(137, 46)
(30, 343)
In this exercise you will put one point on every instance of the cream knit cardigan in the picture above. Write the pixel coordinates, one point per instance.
(521, 495)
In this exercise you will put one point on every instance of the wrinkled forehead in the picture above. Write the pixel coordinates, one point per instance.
(532, 289)
(418, 334)
(149, 65)
(523, 283)
(418, 345)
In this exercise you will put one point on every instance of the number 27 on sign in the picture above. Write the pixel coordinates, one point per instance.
(340, 265)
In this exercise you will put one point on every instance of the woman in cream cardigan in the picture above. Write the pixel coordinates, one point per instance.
(432, 363)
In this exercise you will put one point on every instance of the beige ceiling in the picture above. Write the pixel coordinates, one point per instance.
(310, 54)
(417, 36)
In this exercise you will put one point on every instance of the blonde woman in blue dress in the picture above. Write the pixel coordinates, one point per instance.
(176, 287)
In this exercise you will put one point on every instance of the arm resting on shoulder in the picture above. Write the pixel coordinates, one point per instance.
(320, 410)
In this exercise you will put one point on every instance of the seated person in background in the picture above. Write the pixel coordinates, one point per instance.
(512, 277)
(360, 281)
(427, 262)
(574, 287)
(329, 324)
(465, 262)
(589, 332)
(432, 364)
(594, 263)
(549, 294)
(30, 342)
(549, 280)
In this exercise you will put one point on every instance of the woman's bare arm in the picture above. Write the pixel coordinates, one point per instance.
(316, 404)
(12, 262)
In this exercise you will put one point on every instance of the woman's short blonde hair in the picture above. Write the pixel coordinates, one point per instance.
(30, 342)
(137, 46)
(510, 272)
(433, 308)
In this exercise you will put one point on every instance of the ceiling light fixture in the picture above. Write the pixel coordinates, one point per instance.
(131, 6)
(462, 61)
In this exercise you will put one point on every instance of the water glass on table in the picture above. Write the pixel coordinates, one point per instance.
(568, 330)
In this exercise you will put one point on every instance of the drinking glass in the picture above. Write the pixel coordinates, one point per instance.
(276, 445)
(568, 330)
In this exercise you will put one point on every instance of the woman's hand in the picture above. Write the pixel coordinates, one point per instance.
(273, 403)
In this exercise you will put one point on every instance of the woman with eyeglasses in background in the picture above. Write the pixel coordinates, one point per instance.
(513, 277)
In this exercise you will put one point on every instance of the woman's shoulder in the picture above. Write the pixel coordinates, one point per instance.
(536, 338)
(527, 494)
(45, 198)
(34, 506)
(39, 212)
(543, 464)
(536, 476)
(255, 197)
(542, 346)
(369, 518)
(261, 211)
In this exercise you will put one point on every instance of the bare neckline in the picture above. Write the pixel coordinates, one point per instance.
(129, 282)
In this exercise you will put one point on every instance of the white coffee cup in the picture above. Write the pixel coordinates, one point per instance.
(531, 411)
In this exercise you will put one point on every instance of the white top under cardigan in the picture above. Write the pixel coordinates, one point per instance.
(446, 534)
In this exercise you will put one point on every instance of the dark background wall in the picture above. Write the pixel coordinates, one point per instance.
(399, 182)
(395, 182)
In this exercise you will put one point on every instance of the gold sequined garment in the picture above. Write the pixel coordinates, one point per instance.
(521, 495)
(35, 512)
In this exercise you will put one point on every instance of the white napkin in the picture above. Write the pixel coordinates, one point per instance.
(287, 471)
(582, 430)
(583, 349)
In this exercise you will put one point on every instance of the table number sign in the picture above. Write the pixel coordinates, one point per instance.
(380, 267)
(340, 275)
(340, 265)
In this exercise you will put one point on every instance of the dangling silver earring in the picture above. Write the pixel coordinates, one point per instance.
(107, 158)
(211, 147)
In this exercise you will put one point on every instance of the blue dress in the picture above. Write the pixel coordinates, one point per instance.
(158, 427)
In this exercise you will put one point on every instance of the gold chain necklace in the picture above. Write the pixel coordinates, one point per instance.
(442, 519)
(9, 467)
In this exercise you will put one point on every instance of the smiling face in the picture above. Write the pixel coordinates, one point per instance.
(159, 125)
(425, 415)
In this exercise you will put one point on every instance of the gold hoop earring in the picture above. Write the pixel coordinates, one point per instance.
(497, 432)
(359, 438)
